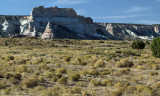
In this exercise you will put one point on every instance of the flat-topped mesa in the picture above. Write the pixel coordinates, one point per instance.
(53, 12)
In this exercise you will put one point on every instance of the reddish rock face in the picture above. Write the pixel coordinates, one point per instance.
(48, 33)
(53, 12)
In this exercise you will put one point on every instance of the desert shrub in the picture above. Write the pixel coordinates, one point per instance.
(54, 78)
(38, 61)
(140, 88)
(155, 47)
(78, 59)
(22, 68)
(124, 72)
(95, 82)
(138, 45)
(158, 85)
(118, 85)
(41, 79)
(8, 75)
(123, 63)
(3, 85)
(83, 63)
(106, 72)
(11, 75)
(17, 76)
(153, 73)
(62, 70)
(62, 80)
(130, 53)
(13, 80)
(8, 91)
(101, 42)
(123, 42)
(30, 83)
(8, 58)
(74, 77)
(81, 84)
(51, 92)
(59, 75)
(148, 92)
(40, 88)
(99, 63)
(67, 59)
(116, 93)
(22, 61)
(93, 72)
(76, 89)
(1, 75)
(48, 74)
(130, 90)
(107, 82)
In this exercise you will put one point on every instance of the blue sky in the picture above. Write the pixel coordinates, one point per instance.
(108, 11)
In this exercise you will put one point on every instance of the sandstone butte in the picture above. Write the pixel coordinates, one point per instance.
(62, 23)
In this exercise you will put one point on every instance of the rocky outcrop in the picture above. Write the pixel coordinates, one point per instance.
(53, 12)
(133, 30)
(48, 33)
(65, 23)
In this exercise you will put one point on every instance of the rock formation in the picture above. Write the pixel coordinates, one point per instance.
(65, 23)
(48, 33)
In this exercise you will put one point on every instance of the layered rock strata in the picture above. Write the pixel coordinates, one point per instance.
(54, 22)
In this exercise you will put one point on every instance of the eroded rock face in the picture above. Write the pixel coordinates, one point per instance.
(133, 30)
(48, 33)
(67, 24)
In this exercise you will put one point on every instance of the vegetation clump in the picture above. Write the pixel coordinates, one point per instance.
(138, 45)
(30, 83)
(155, 47)
(124, 63)
(99, 63)
(74, 77)
(62, 80)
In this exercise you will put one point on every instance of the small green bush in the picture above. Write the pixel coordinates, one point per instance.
(99, 63)
(93, 72)
(101, 42)
(54, 78)
(67, 59)
(17, 76)
(153, 73)
(49, 74)
(30, 83)
(82, 63)
(116, 93)
(62, 70)
(123, 63)
(11, 75)
(76, 89)
(155, 47)
(3, 85)
(107, 82)
(8, 75)
(138, 45)
(74, 77)
(8, 58)
(22, 68)
(62, 80)
(95, 82)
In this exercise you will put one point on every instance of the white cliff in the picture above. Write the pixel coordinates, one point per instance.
(67, 24)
